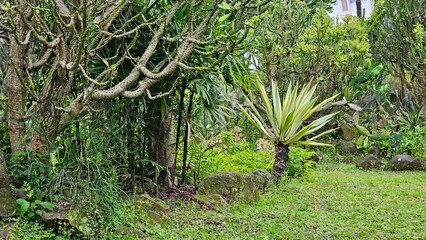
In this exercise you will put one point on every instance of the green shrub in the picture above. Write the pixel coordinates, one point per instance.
(299, 163)
(411, 141)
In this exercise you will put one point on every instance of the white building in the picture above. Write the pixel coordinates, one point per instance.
(344, 8)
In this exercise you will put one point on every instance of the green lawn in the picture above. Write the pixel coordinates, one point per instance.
(337, 202)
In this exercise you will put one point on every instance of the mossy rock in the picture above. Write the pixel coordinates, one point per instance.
(369, 162)
(232, 186)
(75, 217)
(346, 147)
(78, 219)
(213, 201)
(155, 210)
(7, 203)
(349, 132)
(266, 178)
(404, 163)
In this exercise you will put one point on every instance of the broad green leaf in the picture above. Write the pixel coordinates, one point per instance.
(48, 205)
(360, 141)
(380, 137)
(39, 212)
(224, 6)
(362, 130)
(365, 145)
(376, 71)
(224, 17)
(24, 205)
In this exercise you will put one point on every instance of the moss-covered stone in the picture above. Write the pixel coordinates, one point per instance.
(78, 219)
(226, 184)
(213, 201)
(346, 147)
(266, 176)
(349, 132)
(156, 210)
(233, 186)
(404, 162)
(75, 217)
(7, 203)
(369, 162)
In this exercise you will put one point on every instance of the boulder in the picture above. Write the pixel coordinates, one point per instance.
(346, 147)
(349, 132)
(213, 201)
(317, 157)
(155, 210)
(404, 162)
(266, 176)
(232, 185)
(7, 203)
(369, 162)
(75, 218)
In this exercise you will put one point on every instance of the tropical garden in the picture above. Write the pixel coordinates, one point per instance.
(211, 119)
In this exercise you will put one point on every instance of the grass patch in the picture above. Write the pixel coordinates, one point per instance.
(336, 202)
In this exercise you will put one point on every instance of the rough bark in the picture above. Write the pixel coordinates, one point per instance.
(15, 90)
(4, 173)
(281, 159)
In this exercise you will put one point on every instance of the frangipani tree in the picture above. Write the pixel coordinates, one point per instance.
(284, 119)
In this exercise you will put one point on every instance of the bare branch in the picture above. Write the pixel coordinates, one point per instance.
(86, 76)
(160, 95)
(143, 86)
(42, 60)
(27, 39)
(43, 40)
(135, 73)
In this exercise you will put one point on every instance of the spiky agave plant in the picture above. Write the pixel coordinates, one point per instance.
(284, 119)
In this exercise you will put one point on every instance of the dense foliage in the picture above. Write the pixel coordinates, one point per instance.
(107, 104)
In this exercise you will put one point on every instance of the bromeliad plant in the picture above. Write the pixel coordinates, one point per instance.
(284, 119)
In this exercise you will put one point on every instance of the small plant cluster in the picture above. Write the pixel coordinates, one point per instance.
(408, 140)
(228, 152)
(299, 163)
(411, 141)
(32, 207)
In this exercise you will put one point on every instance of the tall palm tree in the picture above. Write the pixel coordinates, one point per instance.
(284, 119)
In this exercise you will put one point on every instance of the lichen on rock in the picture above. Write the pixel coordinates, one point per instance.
(7, 203)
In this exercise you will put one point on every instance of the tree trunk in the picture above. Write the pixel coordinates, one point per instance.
(281, 158)
(186, 137)
(15, 91)
(161, 142)
(359, 8)
(131, 122)
(4, 173)
(181, 107)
